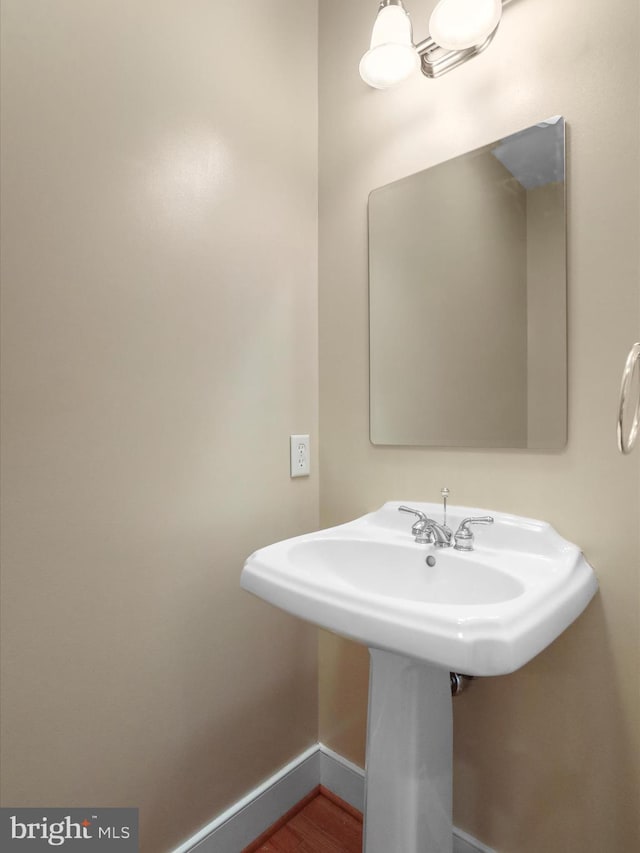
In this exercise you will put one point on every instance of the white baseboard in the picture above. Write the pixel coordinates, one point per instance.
(342, 777)
(241, 824)
(236, 828)
(465, 843)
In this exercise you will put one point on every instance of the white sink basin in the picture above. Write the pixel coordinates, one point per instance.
(486, 612)
(365, 568)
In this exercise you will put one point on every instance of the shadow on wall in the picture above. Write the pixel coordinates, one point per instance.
(344, 693)
(548, 777)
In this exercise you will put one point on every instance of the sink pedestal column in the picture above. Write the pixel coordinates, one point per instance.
(408, 799)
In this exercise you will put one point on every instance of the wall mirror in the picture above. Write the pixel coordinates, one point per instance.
(467, 299)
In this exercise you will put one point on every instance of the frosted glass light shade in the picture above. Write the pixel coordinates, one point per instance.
(392, 56)
(459, 24)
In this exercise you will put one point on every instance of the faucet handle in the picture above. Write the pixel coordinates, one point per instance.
(421, 515)
(420, 524)
(422, 528)
(464, 536)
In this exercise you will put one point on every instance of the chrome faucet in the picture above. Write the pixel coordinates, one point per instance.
(440, 534)
(427, 531)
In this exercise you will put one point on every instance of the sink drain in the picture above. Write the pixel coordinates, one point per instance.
(431, 560)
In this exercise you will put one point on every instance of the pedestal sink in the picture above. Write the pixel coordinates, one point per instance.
(484, 612)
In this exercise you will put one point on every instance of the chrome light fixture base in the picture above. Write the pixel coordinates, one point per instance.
(437, 61)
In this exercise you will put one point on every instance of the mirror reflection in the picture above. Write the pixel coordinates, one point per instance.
(467, 293)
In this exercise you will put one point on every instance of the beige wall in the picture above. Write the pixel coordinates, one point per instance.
(159, 217)
(546, 759)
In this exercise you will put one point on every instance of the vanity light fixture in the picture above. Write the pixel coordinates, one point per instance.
(392, 56)
(458, 31)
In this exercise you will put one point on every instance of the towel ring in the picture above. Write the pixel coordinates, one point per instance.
(627, 443)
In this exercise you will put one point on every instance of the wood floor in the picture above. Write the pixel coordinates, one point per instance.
(321, 823)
